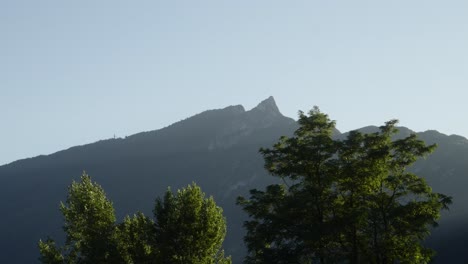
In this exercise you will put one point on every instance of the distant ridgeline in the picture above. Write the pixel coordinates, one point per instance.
(217, 149)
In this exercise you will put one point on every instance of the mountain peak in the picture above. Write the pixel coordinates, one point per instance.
(235, 109)
(268, 105)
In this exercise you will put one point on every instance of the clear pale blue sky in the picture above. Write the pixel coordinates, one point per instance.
(74, 72)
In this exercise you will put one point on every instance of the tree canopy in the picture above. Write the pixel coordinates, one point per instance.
(198, 235)
(342, 201)
(188, 228)
(89, 227)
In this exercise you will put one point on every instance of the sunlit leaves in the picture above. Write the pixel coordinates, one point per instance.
(349, 200)
(189, 228)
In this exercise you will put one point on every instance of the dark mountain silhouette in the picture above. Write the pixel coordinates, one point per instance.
(218, 149)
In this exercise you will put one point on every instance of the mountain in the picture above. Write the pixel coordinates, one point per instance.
(218, 149)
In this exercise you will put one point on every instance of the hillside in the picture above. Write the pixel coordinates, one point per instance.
(218, 149)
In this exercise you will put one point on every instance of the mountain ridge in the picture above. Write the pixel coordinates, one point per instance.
(267, 105)
(216, 148)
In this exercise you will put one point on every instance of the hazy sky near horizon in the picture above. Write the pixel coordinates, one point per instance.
(74, 72)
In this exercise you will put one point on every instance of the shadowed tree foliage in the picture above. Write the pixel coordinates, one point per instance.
(342, 201)
(189, 228)
(136, 242)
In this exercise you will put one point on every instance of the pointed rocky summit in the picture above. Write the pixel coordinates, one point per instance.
(268, 106)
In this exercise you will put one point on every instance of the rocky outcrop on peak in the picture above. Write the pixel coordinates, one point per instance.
(268, 106)
(265, 115)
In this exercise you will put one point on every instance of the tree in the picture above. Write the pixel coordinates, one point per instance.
(189, 228)
(89, 227)
(136, 241)
(350, 200)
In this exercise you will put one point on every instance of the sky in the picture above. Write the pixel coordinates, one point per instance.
(75, 72)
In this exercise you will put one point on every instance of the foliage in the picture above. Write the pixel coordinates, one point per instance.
(136, 239)
(189, 229)
(349, 200)
(89, 226)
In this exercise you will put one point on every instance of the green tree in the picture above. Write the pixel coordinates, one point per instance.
(135, 239)
(189, 228)
(89, 227)
(350, 200)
